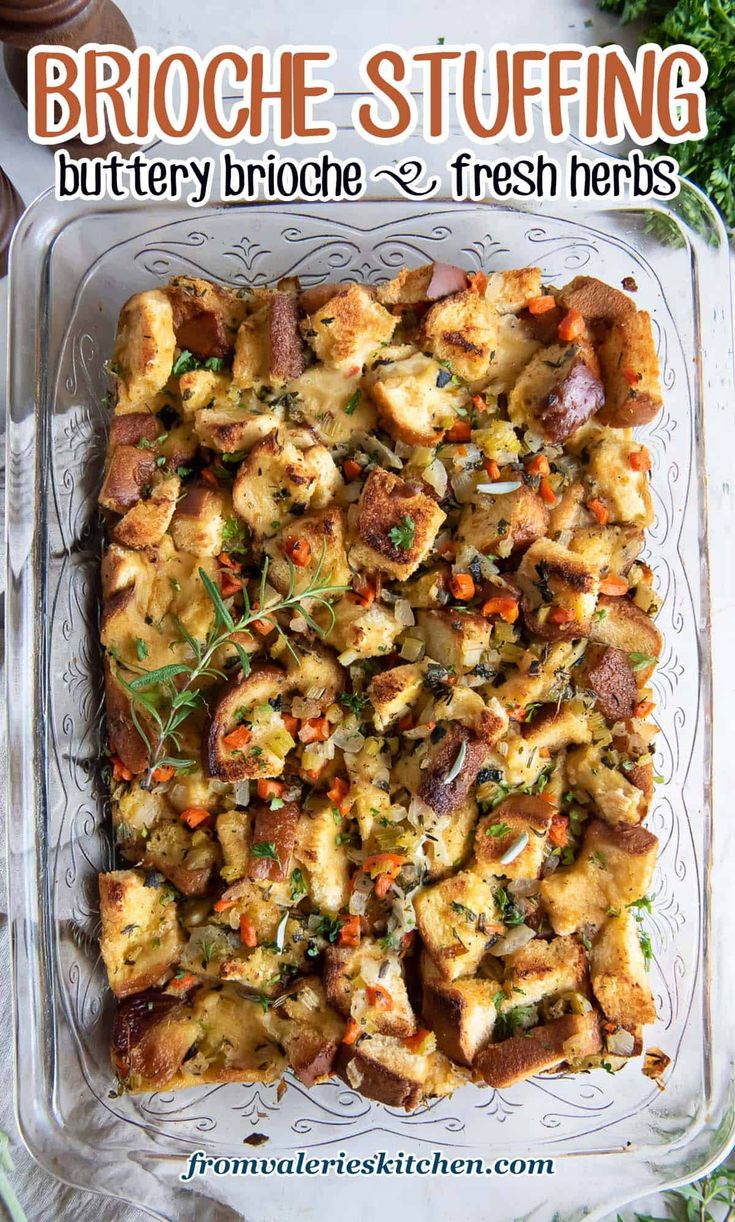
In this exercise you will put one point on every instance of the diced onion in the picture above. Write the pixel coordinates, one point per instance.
(281, 932)
(436, 477)
(347, 657)
(514, 940)
(412, 649)
(372, 445)
(524, 886)
(404, 613)
(620, 1043)
(500, 487)
(241, 791)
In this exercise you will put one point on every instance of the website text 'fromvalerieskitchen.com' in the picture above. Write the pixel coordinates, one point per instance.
(381, 1163)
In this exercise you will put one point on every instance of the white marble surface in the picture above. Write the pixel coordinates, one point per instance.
(352, 30)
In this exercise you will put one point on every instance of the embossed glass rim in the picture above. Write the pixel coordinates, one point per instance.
(37, 999)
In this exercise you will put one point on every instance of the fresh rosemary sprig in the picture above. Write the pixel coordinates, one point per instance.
(166, 697)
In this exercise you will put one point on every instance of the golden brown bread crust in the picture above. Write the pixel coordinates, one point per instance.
(608, 673)
(596, 300)
(572, 1037)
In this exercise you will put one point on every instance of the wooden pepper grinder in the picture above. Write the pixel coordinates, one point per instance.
(11, 206)
(64, 23)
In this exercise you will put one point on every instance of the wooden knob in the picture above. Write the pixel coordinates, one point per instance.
(11, 207)
(63, 23)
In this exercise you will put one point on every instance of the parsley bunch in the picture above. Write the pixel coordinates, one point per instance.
(709, 26)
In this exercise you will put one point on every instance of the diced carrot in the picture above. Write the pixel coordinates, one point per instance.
(559, 831)
(644, 708)
(462, 586)
(599, 511)
(492, 468)
(546, 492)
(338, 792)
(209, 477)
(270, 789)
(461, 430)
(248, 932)
(163, 773)
(384, 868)
(313, 774)
(351, 469)
(407, 941)
(229, 584)
(544, 752)
(614, 585)
(631, 375)
(542, 304)
(291, 723)
(364, 594)
(406, 722)
(223, 905)
(315, 730)
(298, 550)
(640, 460)
(194, 815)
(262, 626)
(561, 615)
(383, 884)
(415, 1042)
(349, 934)
(237, 738)
(119, 771)
(379, 997)
(519, 713)
(181, 983)
(226, 560)
(352, 1032)
(571, 326)
(539, 465)
(503, 605)
(479, 403)
(477, 281)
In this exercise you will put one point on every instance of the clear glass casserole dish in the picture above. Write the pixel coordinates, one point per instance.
(613, 1138)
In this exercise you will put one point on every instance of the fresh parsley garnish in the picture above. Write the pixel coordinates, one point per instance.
(402, 535)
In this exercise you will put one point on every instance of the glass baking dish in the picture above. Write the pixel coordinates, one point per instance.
(613, 1138)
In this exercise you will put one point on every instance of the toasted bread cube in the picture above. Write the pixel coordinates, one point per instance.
(324, 534)
(129, 470)
(559, 591)
(144, 350)
(325, 861)
(264, 968)
(461, 1014)
(446, 796)
(332, 403)
(250, 700)
(233, 833)
(141, 937)
(308, 1029)
(568, 1039)
(619, 623)
(618, 972)
(147, 522)
(454, 638)
(544, 970)
(369, 785)
(449, 843)
(234, 1044)
(500, 525)
(384, 1069)
(611, 549)
(555, 727)
(396, 692)
(429, 282)
(348, 328)
(186, 858)
(607, 673)
(596, 300)
(558, 391)
(349, 976)
(366, 633)
(277, 480)
(203, 388)
(151, 1035)
(429, 590)
(231, 430)
(630, 372)
(457, 918)
(463, 330)
(616, 799)
(542, 679)
(416, 398)
(206, 316)
(614, 867)
(520, 816)
(268, 348)
(510, 291)
(396, 526)
(199, 520)
(609, 478)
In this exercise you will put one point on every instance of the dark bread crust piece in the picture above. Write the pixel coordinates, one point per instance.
(539, 1049)
(572, 402)
(276, 827)
(288, 359)
(608, 673)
